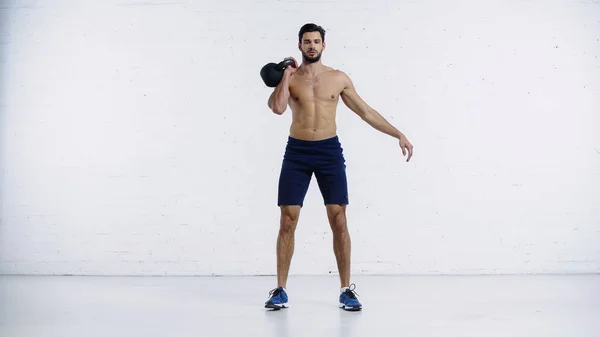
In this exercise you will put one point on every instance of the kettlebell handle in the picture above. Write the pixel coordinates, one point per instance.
(283, 64)
(271, 73)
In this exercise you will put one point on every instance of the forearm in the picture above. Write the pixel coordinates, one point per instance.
(374, 118)
(280, 96)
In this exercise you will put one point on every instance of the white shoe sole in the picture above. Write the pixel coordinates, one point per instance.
(277, 306)
(343, 306)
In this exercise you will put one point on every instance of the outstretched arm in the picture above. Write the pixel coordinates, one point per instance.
(355, 103)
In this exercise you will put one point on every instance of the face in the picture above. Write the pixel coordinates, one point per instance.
(311, 46)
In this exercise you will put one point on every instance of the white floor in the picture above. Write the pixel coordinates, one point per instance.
(233, 306)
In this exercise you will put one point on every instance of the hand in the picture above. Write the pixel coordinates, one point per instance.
(291, 69)
(406, 146)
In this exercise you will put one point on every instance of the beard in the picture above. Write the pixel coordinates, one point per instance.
(311, 59)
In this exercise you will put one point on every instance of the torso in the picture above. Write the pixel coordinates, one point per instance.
(313, 101)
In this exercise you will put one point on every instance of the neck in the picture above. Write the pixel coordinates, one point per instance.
(312, 68)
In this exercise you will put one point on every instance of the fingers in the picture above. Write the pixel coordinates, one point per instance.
(410, 152)
(406, 147)
(290, 69)
(292, 58)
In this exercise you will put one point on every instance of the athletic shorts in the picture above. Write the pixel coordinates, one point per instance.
(302, 158)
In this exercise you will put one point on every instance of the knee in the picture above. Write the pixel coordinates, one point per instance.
(288, 222)
(337, 220)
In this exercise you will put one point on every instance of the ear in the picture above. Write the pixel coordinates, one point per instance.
(299, 46)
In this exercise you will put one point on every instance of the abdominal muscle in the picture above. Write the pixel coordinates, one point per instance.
(313, 124)
(313, 120)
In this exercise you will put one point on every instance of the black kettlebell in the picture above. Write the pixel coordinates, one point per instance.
(272, 73)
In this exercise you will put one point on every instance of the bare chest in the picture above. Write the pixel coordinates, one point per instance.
(312, 89)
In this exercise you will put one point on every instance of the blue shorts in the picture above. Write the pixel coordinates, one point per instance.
(302, 158)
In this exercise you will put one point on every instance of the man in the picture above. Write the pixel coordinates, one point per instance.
(312, 91)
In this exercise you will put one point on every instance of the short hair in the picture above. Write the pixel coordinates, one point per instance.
(311, 27)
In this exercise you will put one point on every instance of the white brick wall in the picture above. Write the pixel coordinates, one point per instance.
(132, 131)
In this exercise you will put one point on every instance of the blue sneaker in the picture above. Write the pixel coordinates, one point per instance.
(278, 299)
(348, 300)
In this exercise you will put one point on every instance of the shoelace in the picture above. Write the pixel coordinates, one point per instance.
(350, 291)
(275, 292)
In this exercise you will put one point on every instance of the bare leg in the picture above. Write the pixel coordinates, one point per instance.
(285, 242)
(341, 241)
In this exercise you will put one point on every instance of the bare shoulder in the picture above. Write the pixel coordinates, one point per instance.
(339, 75)
(342, 78)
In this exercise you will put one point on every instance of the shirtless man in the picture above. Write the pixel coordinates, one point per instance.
(312, 91)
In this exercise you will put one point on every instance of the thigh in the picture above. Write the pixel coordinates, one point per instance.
(294, 180)
(333, 183)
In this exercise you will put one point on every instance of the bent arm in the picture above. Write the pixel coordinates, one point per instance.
(355, 103)
(278, 100)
